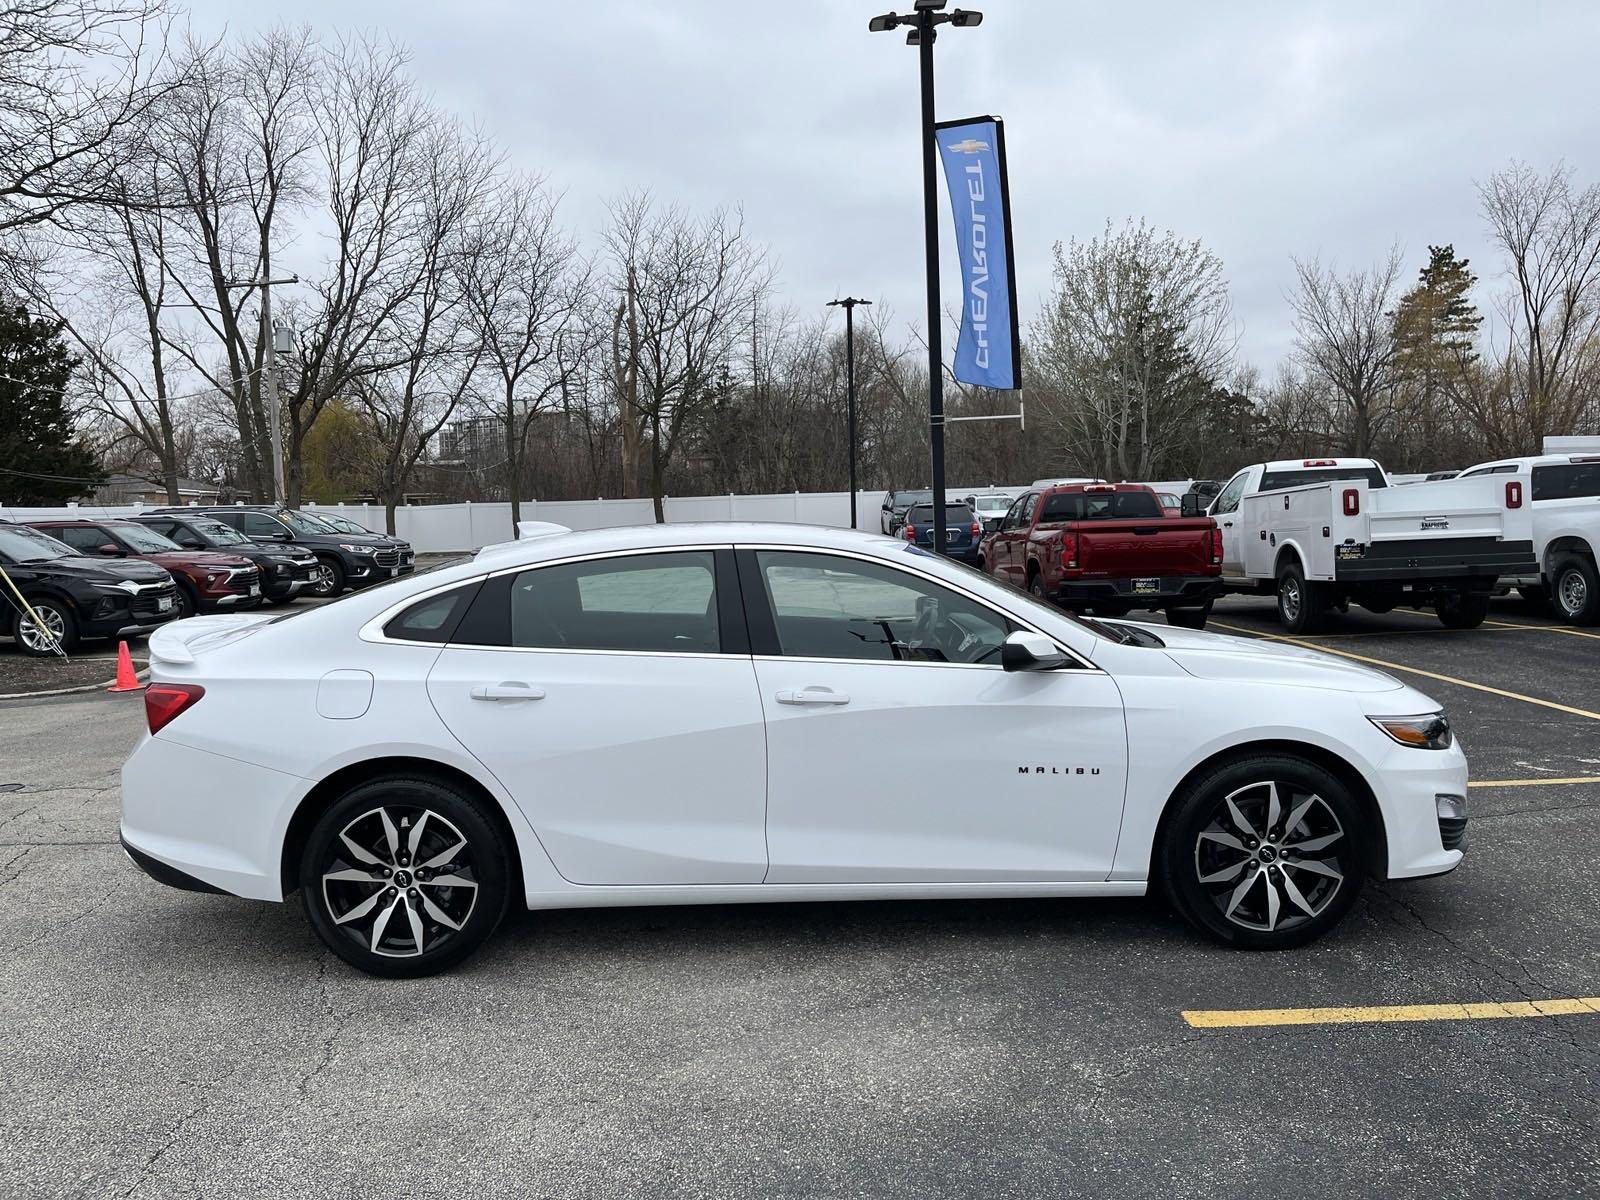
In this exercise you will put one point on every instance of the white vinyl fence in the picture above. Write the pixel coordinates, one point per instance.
(443, 528)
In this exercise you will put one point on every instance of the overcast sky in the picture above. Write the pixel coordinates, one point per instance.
(1263, 129)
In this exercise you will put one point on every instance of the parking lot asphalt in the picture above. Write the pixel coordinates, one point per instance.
(161, 1043)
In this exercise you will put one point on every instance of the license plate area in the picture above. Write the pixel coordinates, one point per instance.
(165, 604)
(1146, 587)
(1347, 551)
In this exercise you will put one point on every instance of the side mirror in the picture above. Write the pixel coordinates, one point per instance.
(111, 550)
(1024, 651)
(1192, 505)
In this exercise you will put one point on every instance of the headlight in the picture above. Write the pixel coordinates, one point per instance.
(357, 549)
(1429, 732)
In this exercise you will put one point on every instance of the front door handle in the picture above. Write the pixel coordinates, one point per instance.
(812, 695)
(1227, 524)
(510, 690)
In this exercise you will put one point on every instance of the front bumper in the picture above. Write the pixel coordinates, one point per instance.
(1412, 782)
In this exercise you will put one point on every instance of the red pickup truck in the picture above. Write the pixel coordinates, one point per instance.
(1109, 548)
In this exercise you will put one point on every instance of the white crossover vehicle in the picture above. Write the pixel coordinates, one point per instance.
(732, 713)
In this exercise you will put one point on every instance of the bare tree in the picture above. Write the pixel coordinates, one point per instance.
(1549, 231)
(524, 288)
(1136, 334)
(1344, 334)
(694, 286)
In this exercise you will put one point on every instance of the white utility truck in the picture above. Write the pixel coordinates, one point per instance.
(1323, 533)
(1565, 497)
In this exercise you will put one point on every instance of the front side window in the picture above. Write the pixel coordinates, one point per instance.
(646, 603)
(1228, 501)
(831, 607)
(85, 539)
(256, 524)
(1566, 481)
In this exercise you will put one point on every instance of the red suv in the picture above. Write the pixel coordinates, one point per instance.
(207, 581)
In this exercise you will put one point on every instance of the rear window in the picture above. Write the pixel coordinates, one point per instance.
(1300, 477)
(1097, 506)
(1566, 481)
(922, 514)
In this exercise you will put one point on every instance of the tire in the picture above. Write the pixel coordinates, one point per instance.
(1302, 606)
(1575, 590)
(1462, 612)
(1189, 618)
(57, 618)
(188, 602)
(1036, 588)
(1205, 854)
(355, 898)
(329, 579)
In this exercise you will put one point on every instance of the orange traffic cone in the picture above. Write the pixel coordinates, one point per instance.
(127, 678)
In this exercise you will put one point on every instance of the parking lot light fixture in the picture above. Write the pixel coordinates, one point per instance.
(920, 24)
(849, 305)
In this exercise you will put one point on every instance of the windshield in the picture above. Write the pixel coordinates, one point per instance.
(223, 535)
(21, 544)
(1272, 481)
(343, 524)
(1098, 506)
(142, 538)
(302, 522)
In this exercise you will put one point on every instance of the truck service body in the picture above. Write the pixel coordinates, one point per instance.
(1323, 533)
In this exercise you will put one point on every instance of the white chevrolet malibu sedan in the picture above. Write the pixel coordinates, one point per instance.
(712, 714)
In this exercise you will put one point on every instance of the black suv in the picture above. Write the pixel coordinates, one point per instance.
(286, 571)
(344, 560)
(74, 596)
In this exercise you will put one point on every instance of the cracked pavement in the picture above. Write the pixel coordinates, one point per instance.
(161, 1043)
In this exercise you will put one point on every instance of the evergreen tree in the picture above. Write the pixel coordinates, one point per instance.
(1435, 340)
(43, 460)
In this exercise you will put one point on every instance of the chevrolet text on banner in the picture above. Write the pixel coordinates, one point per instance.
(989, 350)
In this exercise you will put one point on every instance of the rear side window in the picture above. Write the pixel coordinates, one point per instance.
(434, 619)
(1566, 481)
(1273, 480)
(645, 603)
(1093, 506)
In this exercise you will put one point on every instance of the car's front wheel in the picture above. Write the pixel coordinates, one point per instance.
(327, 581)
(1265, 852)
(405, 877)
(51, 627)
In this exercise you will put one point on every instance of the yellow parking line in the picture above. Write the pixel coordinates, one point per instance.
(1534, 782)
(1566, 629)
(1242, 1018)
(1393, 666)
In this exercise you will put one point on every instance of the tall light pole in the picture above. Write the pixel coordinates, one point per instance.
(269, 368)
(921, 21)
(849, 305)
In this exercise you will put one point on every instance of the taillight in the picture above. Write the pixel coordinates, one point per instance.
(976, 529)
(1069, 549)
(164, 701)
(1352, 502)
(911, 532)
(1216, 544)
(1513, 493)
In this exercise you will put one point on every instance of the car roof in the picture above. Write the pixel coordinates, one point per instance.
(1537, 460)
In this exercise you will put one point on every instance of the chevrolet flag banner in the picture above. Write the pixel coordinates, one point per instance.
(989, 350)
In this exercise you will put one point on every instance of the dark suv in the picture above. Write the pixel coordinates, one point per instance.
(286, 571)
(344, 560)
(207, 581)
(74, 596)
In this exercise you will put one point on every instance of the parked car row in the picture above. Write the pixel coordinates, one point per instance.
(87, 578)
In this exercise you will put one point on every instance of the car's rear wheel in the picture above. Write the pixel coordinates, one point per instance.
(405, 877)
(1462, 612)
(1189, 618)
(327, 579)
(1576, 591)
(1265, 852)
(54, 628)
(1036, 588)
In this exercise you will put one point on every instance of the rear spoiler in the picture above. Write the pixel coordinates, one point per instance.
(176, 643)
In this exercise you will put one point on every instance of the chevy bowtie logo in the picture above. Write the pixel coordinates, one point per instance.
(969, 146)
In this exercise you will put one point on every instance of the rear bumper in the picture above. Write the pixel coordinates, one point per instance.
(1169, 590)
(1481, 559)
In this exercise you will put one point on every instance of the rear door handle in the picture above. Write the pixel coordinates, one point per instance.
(506, 691)
(1227, 524)
(812, 695)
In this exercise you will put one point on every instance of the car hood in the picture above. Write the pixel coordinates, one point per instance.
(102, 570)
(1222, 657)
(214, 559)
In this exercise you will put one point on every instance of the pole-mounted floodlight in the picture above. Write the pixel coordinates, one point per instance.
(920, 22)
(849, 305)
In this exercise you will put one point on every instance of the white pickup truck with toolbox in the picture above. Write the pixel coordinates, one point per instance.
(1565, 497)
(1323, 533)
